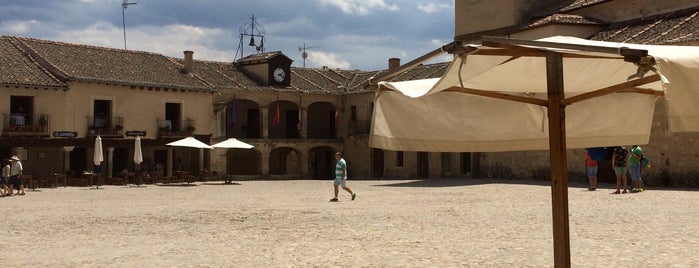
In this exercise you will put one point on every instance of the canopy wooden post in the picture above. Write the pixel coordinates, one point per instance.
(557, 154)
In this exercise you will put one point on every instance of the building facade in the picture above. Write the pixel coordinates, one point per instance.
(57, 97)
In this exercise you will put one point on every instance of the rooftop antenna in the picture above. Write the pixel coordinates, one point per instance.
(124, 5)
(304, 55)
(251, 29)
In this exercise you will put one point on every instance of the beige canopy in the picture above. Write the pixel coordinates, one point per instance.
(411, 116)
(508, 95)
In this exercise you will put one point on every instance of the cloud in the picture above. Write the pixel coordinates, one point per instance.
(320, 58)
(433, 6)
(359, 7)
(169, 40)
(18, 27)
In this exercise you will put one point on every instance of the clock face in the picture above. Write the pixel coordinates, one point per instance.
(279, 75)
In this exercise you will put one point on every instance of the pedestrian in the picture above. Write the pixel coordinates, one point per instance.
(178, 165)
(5, 178)
(16, 175)
(341, 177)
(620, 159)
(635, 168)
(591, 169)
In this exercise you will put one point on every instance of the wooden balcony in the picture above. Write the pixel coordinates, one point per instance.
(175, 128)
(25, 125)
(106, 127)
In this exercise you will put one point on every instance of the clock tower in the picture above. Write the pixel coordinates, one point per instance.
(270, 68)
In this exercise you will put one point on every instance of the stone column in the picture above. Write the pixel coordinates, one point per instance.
(304, 123)
(265, 122)
(264, 165)
(303, 158)
(201, 159)
(168, 165)
(110, 162)
(435, 165)
(66, 157)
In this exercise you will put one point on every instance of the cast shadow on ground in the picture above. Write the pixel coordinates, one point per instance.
(177, 184)
(458, 182)
(219, 183)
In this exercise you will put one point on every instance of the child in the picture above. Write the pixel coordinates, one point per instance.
(5, 178)
(591, 168)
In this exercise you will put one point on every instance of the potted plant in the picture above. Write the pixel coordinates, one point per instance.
(163, 131)
(42, 123)
(13, 124)
(92, 130)
(190, 128)
(118, 128)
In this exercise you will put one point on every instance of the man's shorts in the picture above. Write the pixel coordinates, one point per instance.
(620, 171)
(16, 181)
(591, 171)
(340, 182)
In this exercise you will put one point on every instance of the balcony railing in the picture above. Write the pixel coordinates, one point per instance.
(25, 125)
(105, 126)
(359, 127)
(175, 128)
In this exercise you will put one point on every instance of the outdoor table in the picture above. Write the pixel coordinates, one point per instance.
(28, 181)
(55, 177)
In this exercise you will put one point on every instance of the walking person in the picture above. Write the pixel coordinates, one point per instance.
(620, 159)
(16, 175)
(591, 169)
(5, 178)
(341, 177)
(635, 168)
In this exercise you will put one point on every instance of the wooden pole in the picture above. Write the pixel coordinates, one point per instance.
(557, 153)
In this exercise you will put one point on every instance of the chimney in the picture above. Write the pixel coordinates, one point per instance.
(188, 61)
(393, 63)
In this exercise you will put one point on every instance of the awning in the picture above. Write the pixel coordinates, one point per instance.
(553, 93)
(505, 105)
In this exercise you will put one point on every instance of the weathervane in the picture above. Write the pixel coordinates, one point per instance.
(252, 29)
(124, 5)
(304, 55)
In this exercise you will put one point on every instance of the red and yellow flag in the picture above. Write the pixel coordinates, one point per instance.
(276, 116)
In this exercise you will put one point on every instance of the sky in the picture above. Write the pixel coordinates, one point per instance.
(344, 34)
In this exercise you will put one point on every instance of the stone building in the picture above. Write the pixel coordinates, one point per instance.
(634, 21)
(66, 94)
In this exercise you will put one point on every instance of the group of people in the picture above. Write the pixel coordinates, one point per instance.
(11, 179)
(623, 161)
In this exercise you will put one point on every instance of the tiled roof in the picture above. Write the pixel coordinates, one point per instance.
(259, 57)
(671, 28)
(562, 19)
(17, 69)
(112, 66)
(577, 4)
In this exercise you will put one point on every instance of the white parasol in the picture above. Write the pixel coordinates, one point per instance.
(190, 142)
(232, 143)
(137, 153)
(97, 158)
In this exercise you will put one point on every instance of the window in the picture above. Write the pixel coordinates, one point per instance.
(173, 116)
(399, 159)
(102, 111)
(353, 113)
(22, 110)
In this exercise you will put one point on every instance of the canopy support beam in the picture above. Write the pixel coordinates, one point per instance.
(623, 87)
(454, 47)
(557, 154)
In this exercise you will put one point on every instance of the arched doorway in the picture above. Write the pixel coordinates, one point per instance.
(242, 162)
(321, 163)
(377, 163)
